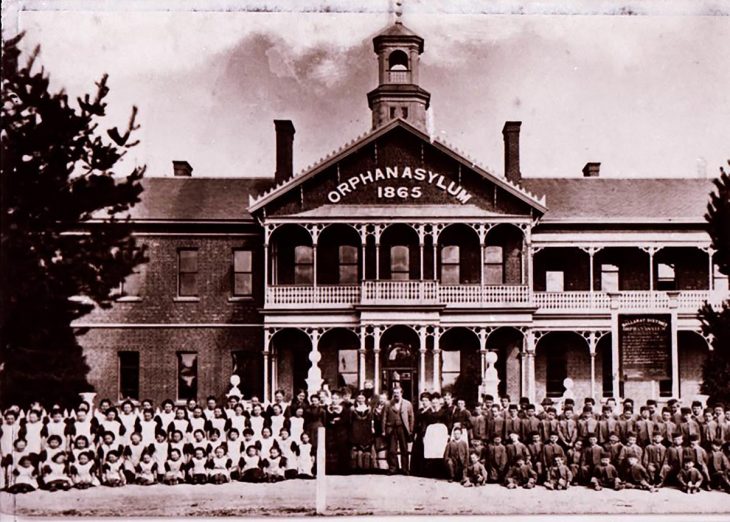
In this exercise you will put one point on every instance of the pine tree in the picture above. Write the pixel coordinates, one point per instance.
(64, 246)
(716, 370)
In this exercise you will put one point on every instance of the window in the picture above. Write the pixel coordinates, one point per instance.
(247, 364)
(450, 265)
(128, 375)
(392, 112)
(554, 281)
(242, 273)
(187, 268)
(665, 277)
(303, 265)
(609, 278)
(404, 112)
(493, 265)
(720, 283)
(450, 367)
(187, 375)
(347, 367)
(556, 371)
(348, 264)
(399, 263)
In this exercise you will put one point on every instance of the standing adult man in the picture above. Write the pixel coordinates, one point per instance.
(398, 423)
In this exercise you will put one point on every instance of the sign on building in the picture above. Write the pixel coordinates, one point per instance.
(645, 346)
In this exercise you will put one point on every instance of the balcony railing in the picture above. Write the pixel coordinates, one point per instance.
(399, 76)
(489, 296)
(687, 300)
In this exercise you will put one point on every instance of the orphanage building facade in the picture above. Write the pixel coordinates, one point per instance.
(398, 260)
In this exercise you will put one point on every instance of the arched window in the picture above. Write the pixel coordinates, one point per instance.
(398, 61)
(303, 265)
(399, 263)
(450, 258)
(493, 265)
(348, 264)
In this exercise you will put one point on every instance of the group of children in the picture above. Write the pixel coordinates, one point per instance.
(137, 444)
(519, 447)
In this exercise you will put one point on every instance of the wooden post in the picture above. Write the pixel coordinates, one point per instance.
(321, 483)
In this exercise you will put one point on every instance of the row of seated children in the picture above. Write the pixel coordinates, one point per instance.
(612, 465)
(174, 461)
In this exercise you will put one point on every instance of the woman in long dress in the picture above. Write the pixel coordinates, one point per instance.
(419, 431)
(435, 438)
(361, 434)
(380, 446)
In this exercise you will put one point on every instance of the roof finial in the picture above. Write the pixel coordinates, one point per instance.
(398, 10)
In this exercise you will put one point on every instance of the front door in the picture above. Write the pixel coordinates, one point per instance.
(400, 370)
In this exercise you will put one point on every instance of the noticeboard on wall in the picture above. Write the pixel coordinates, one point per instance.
(645, 343)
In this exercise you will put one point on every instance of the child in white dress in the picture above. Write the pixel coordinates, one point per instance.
(23, 476)
(220, 466)
(55, 473)
(112, 473)
(198, 467)
(305, 461)
(146, 470)
(83, 471)
(174, 468)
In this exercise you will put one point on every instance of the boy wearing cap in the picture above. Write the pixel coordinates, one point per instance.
(710, 429)
(666, 426)
(636, 476)
(512, 422)
(631, 448)
(606, 425)
(550, 450)
(559, 475)
(605, 475)
(530, 424)
(673, 460)
(689, 426)
(515, 448)
(615, 449)
(626, 423)
(719, 467)
(535, 448)
(689, 478)
(587, 424)
(653, 459)
(698, 455)
(456, 455)
(644, 427)
(549, 424)
(567, 429)
(521, 474)
(592, 455)
(496, 460)
(495, 423)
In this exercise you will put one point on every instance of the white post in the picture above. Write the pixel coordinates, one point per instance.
(376, 352)
(615, 378)
(274, 368)
(651, 268)
(361, 360)
(436, 359)
(321, 485)
(422, 361)
(675, 349)
(267, 341)
(591, 251)
(529, 358)
(592, 352)
(711, 269)
(377, 260)
(434, 240)
(314, 377)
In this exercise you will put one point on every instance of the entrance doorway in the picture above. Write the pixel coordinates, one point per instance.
(400, 370)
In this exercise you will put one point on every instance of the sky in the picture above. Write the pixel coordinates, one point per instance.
(645, 95)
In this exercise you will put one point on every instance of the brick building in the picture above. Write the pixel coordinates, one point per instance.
(397, 259)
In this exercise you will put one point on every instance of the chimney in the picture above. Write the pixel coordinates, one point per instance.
(182, 169)
(284, 146)
(591, 170)
(511, 133)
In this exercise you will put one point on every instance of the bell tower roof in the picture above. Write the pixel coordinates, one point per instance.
(397, 33)
(398, 94)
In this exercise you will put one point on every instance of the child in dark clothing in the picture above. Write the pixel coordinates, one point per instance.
(689, 478)
(605, 475)
(475, 474)
(495, 459)
(456, 456)
(521, 474)
(559, 475)
(636, 475)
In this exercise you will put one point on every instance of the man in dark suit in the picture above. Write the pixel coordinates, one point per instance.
(398, 426)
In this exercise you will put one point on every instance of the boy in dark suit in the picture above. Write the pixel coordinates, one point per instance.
(475, 474)
(496, 460)
(521, 474)
(605, 475)
(559, 475)
(456, 456)
(653, 458)
(636, 476)
(719, 467)
(689, 478)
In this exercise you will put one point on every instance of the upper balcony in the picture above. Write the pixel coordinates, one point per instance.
(413, 293)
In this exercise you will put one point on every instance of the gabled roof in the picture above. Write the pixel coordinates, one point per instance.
(623, 200)
(335, 156)
(196, 199)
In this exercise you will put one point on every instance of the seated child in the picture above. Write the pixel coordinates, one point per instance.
(234, 449)
(112, 474)
(496, 460)
(719, 466)
(636, 476)
(174, 468)
(305, 460)
(475, 474)
(80, 445)
(559, 475)
(53, 448)
(219, 466)
(516, 448)
(133, 455)
(456, 455)
(288, 450)
(83, 471)
(605, 474)
(23, 476)
(146, 470)
(689, 478)
(274, 466)
(267, 441)
(159, 450)
(55, 473)
(197, 467)
(672, 460)
(250, 465)
(521, 474)
(177, 441)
